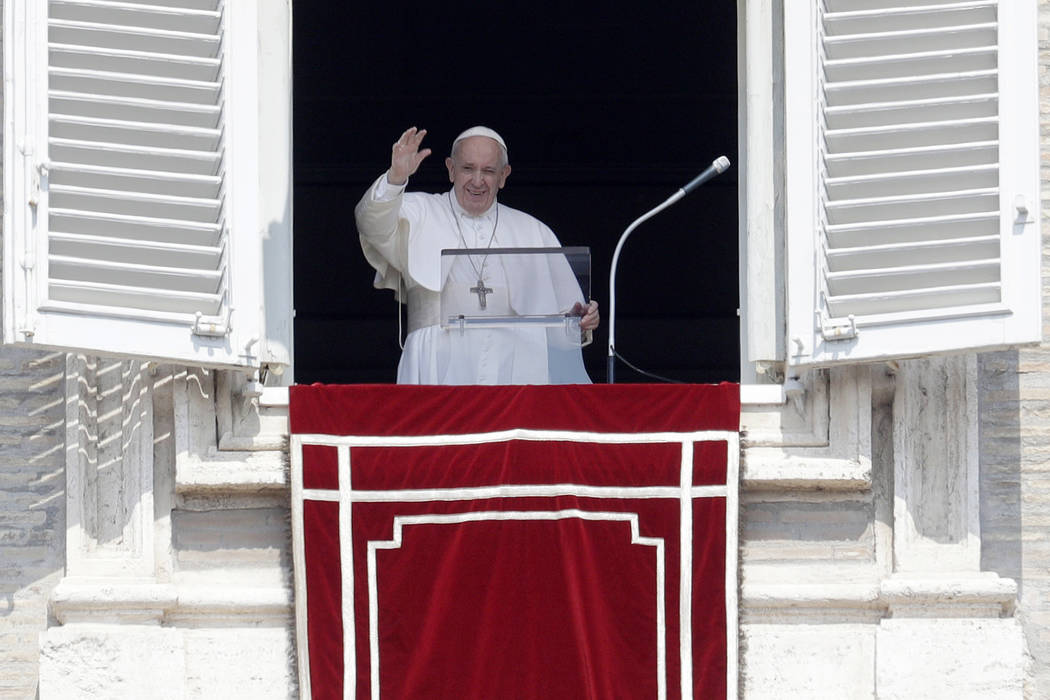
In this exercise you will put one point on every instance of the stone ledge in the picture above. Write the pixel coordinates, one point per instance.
(962, 595)
(251, 471)
(975, 595)
(210, 604)
(784, 595)
(130, 602)
(764, 468)
(101, 601)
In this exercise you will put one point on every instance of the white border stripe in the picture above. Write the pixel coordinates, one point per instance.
(685, 590)
(346, 559)
(471, 493)
(732, 553)
(515, 434)
(299, 567)
(477, 516)
(685, 492)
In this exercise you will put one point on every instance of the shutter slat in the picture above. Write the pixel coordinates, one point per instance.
(926, 228)
(69, 269)
(909, 206)
(185, 4)
(914, 182)
(908, 135)
(911, 111)
(913, 277)
(918, 252)
(122, 155)
(87, 81)
(132, 38)
(899, 42)
(147, 181)
(134, 251)
(899, 17)
(136, 133)
(904, 159)
(926, 63)
(141, 16)
(136, 203)
(915, 300)
(148, 63)
(113, 295)
(134, 110)
(911, 88)
(152, 228)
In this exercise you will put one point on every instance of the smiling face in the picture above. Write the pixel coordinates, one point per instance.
(477, 171)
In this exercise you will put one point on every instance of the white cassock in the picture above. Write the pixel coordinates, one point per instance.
(402, 236)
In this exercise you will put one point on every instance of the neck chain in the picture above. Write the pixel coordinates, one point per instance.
(481, 290)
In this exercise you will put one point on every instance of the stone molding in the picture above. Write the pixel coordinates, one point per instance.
(228, 437)
(946, 595)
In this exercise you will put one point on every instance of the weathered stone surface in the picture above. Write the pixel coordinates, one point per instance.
(115, 662)
(32, 508)
(949, 659)
(808, 661)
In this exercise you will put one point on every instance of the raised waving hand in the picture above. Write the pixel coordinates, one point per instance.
(405, 156)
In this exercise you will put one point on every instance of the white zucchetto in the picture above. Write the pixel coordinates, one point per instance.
(480, 131)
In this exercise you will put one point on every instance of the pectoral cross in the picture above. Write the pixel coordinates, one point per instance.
(481, 290)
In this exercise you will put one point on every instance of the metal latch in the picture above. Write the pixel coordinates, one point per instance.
(212, 326)
(837, 329)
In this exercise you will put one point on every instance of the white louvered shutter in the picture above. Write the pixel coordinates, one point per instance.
(131, 214)
(912, 179)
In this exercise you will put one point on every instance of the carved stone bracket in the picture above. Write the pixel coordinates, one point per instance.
(821, 441)
(228, 439)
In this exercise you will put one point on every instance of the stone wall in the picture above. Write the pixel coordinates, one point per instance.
(1015, 443)
(177, 578)
(32, 508)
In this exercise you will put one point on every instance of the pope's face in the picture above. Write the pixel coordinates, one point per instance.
(477, 173)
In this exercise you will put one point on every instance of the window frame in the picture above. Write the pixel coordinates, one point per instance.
(255, 329)
(779, 205)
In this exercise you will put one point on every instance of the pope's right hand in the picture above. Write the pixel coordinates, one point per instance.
(405, 156)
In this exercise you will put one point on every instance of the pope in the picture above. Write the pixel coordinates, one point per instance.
(402, 235)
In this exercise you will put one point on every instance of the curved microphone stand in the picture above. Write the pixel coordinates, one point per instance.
(717, 167)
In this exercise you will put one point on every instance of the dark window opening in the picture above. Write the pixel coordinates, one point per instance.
(606, 109)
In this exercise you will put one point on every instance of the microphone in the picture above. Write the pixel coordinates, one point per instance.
(717, 167)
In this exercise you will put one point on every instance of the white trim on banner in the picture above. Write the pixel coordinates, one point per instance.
(477, 516)
(685, 492)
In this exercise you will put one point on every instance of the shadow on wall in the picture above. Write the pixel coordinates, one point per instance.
(32, 506)
(999, 407)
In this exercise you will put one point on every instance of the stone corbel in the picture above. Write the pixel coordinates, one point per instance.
(822, 441)
(225, 441)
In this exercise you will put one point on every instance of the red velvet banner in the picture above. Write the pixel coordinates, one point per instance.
(515, 542)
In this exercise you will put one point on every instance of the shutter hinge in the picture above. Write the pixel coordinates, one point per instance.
(212, 326)
(1023, 215)
(40, 173)
(837, 329)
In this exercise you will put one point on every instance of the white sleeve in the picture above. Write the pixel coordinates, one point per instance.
(383, 191)
(383, 233)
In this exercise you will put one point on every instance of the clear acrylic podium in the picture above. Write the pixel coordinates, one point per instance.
(515, 288)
